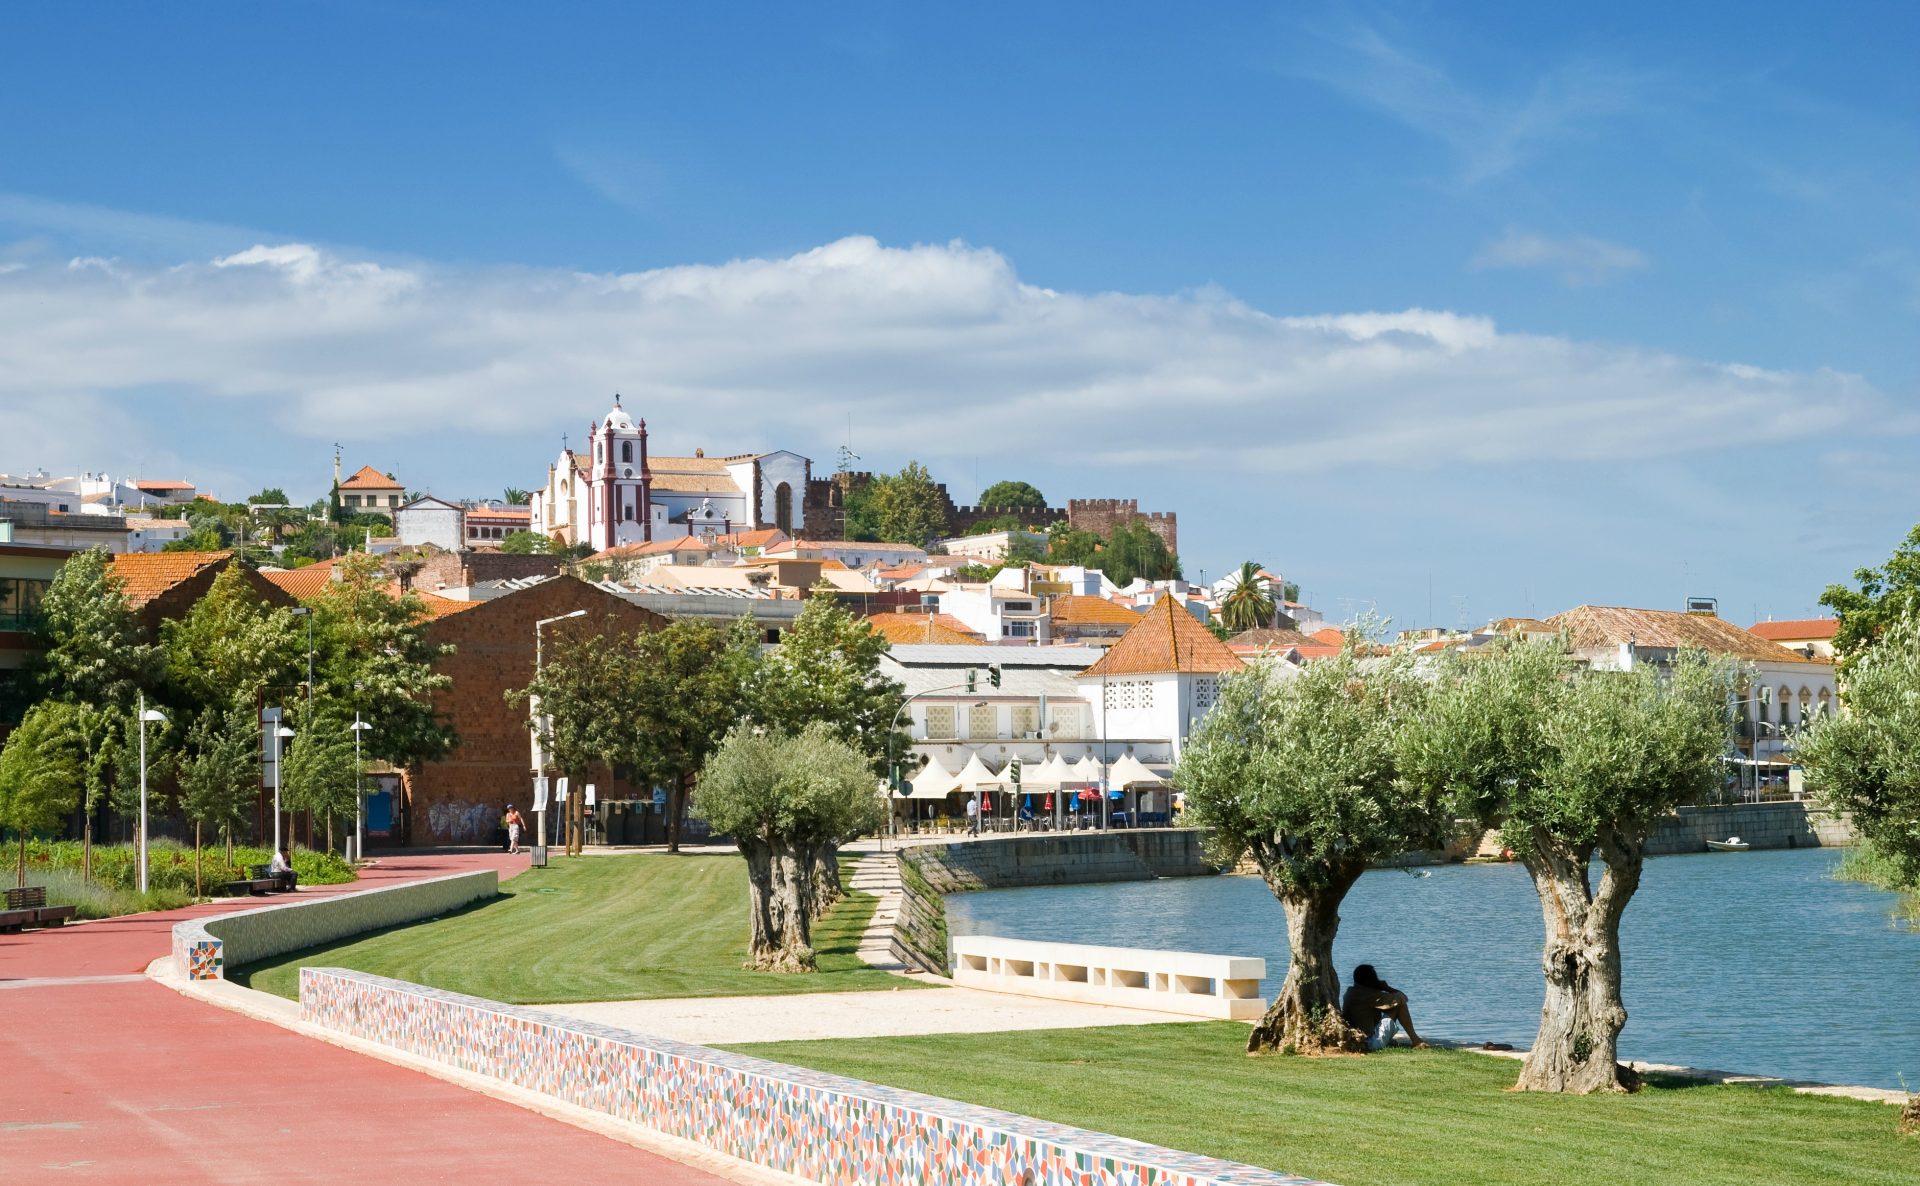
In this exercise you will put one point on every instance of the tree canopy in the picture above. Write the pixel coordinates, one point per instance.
(1572, 764)
(1249, 603)
(1298, 770)
(902, 508)
(232, 645)
(827, 670)
(1866, 760)
(375, 657)
(526, 543)
(1885, 596)
(780, 796)
(1012, 494)
(42, 771)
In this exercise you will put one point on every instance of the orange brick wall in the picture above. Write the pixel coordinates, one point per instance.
(460, 799)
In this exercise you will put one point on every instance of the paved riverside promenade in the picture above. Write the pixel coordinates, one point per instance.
(111, 1077)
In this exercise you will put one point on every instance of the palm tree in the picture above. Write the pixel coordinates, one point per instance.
(1249, 604)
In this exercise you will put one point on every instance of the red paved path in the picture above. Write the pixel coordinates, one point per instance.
(129, 1081)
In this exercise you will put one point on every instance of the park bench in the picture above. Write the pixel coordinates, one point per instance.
(257, 881)
(28, 908)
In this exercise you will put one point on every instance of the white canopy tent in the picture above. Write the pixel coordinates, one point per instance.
(932, 781)
(1131, 771)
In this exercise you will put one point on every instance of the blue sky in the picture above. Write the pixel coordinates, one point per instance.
(1457, 311)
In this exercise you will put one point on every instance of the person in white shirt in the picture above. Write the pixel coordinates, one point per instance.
(973, 815)
(281, 867)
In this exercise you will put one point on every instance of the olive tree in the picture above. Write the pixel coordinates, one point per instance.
(1572, 764)
(1868, 761)
(1298, 772)
(42, 769)
(781, 797)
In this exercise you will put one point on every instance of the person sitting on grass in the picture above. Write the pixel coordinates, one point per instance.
(280, 868)
(1377, 1009)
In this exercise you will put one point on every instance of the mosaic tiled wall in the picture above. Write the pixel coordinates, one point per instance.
(820, 1127)
(204, 949)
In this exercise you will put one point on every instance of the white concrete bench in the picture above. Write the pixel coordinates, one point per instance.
(1224, 986)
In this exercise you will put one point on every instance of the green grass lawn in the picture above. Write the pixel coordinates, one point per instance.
(596, 929)
(1397, 1117)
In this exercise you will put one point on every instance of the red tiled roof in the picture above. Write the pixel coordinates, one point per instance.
(440, 607)
(370, 478)
(1590, 627)
(1797, 630)
(1330, 637)
(1080, 609)
(1167, 639)
(163, 485)
(517, 514)
(304, 582)
(920, 629)
(1261, 638)
(765, 537)
(149, 574)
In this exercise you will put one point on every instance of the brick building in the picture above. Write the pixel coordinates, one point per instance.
(460, 799)
(165, 585)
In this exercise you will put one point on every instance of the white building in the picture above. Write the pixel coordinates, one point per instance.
(855, 554)
(992, 547)
(430, 520)
(1161, 678)
(618, 493)
(1782, 691)
(1004, 610)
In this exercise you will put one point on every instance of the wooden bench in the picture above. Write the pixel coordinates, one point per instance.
(28, 908)
(257, 881)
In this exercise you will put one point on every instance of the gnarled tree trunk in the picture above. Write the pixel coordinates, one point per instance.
(1305, 1016)
(763, 928)
(792, 911)
(827, 890)
(1576, 1050)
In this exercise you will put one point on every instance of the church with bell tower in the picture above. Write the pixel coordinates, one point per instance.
(616, 492)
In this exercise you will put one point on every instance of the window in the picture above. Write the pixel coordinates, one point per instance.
(1130, 693)
(940, 721)
(983, 720)
(20, 602)
(1063, 721)
(1017, 630)
(1205, 688)
(783, 507)
(626, 453)
(1026, 719)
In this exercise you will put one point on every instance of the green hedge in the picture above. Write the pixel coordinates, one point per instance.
(115, 866)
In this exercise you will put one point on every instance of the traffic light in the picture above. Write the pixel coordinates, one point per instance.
(993, 675)
(971, 673)
(1013, 773)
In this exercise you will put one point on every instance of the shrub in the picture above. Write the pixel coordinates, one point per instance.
(115, 867)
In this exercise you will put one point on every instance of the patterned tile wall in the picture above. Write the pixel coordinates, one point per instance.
(204, 948)
(824, 1128)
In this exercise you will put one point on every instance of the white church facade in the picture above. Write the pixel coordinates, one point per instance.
(616, 492)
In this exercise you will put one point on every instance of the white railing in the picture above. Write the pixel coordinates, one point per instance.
(1189, 982)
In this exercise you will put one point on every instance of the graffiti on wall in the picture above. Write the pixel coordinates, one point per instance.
(470, 822)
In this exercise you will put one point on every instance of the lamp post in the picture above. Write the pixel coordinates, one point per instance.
(280, 735)
(539, 751)
(146, 714)
(359, 795)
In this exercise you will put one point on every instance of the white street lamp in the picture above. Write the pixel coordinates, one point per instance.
(146, 715)
(359, 795)
(280, 734)
(533, 707)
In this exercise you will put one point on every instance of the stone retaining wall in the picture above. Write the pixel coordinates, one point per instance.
(203, 949)
(928, 872)
(1763, 825)
(819, 1127)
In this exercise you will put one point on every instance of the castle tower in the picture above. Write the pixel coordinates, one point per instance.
(618, 483)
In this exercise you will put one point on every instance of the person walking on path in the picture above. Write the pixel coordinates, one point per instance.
(973, 815)
(514, 823)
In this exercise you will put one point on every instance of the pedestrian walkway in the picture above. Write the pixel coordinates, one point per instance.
(879, 874)
(113, 1078)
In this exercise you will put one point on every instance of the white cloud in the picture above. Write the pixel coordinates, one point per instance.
(1488, 132)
(1579, 259)
(937, 350)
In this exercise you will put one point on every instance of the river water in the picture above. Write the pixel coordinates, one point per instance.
(1759, 962)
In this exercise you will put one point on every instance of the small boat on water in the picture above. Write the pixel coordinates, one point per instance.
(1730, 844)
